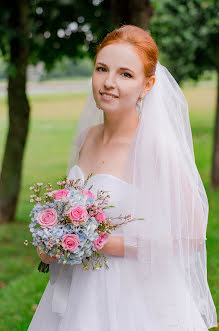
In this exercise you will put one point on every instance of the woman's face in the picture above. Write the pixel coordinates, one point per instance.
(119, 71)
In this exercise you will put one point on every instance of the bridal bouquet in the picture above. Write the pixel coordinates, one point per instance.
(70, 223)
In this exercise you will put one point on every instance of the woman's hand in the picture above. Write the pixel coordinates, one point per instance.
(45, 257)
(114, 246)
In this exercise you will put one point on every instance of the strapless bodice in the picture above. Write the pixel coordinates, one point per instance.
(120, 192)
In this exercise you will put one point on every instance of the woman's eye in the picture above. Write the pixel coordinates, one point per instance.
(129, 75)
(100, 68)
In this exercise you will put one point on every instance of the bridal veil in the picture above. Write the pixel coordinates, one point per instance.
(168, 247)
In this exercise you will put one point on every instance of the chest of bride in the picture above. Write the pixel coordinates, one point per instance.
(119, 197)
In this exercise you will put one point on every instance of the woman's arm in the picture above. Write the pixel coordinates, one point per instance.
(114, 246)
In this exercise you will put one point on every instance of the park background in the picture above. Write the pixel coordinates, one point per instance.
(57, 94)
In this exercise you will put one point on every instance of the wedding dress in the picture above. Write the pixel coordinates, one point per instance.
(114, 299)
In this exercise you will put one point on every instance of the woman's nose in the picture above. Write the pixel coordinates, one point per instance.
(109, 81)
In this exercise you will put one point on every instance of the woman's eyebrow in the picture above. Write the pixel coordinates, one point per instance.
(123, 68)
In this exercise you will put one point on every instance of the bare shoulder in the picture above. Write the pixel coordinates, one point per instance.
(94, 130)
(91, 136)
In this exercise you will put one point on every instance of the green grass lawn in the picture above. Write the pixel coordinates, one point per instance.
(53, 119)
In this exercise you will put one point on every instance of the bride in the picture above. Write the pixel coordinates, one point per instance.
(134, 135)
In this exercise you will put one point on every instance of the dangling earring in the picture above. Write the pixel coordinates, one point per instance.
(139, 106)
(98, 106)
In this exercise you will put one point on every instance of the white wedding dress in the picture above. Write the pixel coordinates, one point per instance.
(113, 299)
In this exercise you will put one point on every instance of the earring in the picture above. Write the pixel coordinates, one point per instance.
(98, 106)
(139, 106)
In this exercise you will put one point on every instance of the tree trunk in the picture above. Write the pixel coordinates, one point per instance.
(215, 163)
(136, 12)
(10, 177)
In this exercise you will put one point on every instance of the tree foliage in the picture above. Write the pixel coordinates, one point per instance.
(58, 28)
(186, 32)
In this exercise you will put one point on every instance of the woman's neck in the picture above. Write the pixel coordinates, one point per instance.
(115, 128)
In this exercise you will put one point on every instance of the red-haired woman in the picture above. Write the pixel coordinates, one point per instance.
(134, 134)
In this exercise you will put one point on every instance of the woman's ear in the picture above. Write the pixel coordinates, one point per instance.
(148, 85)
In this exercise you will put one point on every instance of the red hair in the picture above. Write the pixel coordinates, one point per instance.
(139, 39)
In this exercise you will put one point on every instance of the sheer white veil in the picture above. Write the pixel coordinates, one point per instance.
(168, 247)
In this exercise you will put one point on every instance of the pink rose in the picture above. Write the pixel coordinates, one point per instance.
(88, 193)
(100, 217)
(59, 194)
(70, 242)
(101, 241)
(78, 214)
(47, 218)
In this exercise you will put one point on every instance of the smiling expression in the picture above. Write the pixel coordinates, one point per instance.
(118, 78)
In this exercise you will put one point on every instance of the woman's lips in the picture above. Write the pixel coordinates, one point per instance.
(107, 97)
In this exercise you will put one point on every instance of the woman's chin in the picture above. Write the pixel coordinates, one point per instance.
(107, 108)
